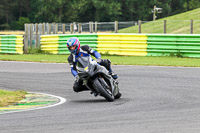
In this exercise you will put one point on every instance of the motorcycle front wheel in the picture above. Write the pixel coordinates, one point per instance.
(102, 87)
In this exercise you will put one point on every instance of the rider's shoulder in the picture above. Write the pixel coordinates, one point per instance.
(85, 47)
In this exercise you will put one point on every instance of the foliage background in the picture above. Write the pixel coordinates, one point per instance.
(14, 13)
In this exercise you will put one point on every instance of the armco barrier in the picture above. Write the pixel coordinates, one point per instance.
(11, 44)
(128, 44)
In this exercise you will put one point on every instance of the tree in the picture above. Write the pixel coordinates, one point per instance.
(51, 10)
(6, 13)
(93, 10)
(63, 11)
(107, 10)
(21, 22)
(191, 4)
(22, 8)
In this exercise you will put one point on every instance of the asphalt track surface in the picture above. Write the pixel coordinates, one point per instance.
(155, 100)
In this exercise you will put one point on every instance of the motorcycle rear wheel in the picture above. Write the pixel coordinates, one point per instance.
(103, 89)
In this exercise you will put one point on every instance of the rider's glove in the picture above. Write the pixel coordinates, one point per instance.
(99, 60)
(76, 78)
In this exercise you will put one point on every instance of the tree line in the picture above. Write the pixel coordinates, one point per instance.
(14, 13)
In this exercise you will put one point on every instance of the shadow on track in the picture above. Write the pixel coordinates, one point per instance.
(116, 102)
(90, 101)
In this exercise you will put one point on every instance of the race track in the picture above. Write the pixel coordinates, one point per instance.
(154, 100)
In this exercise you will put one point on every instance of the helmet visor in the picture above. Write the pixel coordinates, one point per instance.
(72, 47)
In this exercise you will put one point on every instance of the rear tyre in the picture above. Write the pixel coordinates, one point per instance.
(104, 90)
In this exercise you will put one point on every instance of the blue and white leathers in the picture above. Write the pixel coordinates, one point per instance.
(84, 51)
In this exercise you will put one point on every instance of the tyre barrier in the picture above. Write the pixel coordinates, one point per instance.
(186, 45)
(11, 44)
(118, 44)
(128, 44)
(57, 44)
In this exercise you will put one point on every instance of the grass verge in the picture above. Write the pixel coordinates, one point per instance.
(116, 60)
(176, 24)
(10, 97)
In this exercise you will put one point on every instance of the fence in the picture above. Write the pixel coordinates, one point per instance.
(12, 44)
(34, 31)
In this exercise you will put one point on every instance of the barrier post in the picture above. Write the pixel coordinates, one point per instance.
(31, 34)
(139, 26)
(26, 39)
(191, 26)
(71, 28)
(116, 26)
(36, 36)
(79, 28)
(56, 28)
(63, 28)
(43, 28)
(165, 26)
(90, 27)
(92, 24)
(49, 30)
(95, 26)
(74, 27)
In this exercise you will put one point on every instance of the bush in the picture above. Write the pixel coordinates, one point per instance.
(4, 27)
(14, 25)
(21, 22)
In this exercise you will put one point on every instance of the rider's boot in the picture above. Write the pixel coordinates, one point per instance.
(95, 93)
(114, 76)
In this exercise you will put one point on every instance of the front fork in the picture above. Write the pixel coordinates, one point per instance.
(116, 88)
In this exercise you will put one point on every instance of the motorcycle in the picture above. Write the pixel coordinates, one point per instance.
(96, 78)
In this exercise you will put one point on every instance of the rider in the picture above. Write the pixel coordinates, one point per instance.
(76, 50)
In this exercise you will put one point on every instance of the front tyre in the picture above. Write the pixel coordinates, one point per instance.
(102, 87)
(118, 95)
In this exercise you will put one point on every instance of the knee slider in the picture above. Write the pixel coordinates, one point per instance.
(76, 87)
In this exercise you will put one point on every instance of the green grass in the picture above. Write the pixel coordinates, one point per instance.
(177, 24)
(35, 58)
(10, 97)
(116, 60)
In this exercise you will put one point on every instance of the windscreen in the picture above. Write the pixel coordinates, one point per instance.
(82, 62)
